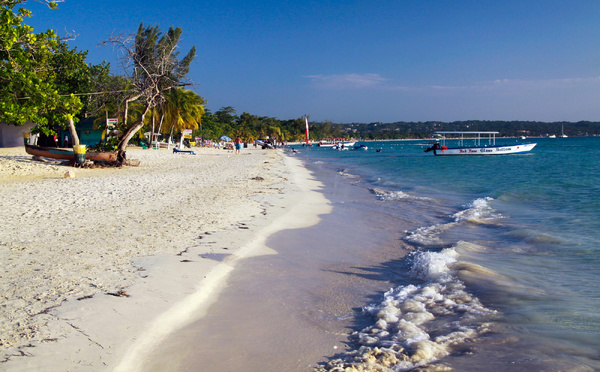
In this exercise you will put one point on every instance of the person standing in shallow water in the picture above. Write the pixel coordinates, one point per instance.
(238, 146)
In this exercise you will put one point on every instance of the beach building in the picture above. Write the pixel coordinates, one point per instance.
(89, 135)
(12, 135)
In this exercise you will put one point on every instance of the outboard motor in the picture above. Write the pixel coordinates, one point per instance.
(436, 146)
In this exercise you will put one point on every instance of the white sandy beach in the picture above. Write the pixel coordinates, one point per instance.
(97, 269)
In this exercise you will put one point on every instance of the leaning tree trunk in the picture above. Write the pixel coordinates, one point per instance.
(122, 146)
(74, 136)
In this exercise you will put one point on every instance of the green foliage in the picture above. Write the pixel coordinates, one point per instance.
(249, 126)
(106, 146)
(156, 69)
(401, 130)
(210, 127)
(35, 73)
(72, 75)
(182, 109)
(245, 127)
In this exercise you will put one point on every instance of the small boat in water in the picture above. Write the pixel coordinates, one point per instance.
(340, 146)
(476, 147)
(335, 142)
(562, 132)
(326, 143)
(68, 154)
(361, 147)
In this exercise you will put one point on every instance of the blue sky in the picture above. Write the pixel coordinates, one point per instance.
(368, 61)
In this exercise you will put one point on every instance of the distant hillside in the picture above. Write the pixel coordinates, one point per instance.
(399, 130)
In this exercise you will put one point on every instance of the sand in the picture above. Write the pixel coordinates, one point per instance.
(98, 268)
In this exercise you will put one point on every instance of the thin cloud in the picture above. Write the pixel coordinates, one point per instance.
(347, 81)
(508, 84)
(502, 86)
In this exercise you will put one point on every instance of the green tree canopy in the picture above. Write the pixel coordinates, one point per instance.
(26, 93)
(182, 109)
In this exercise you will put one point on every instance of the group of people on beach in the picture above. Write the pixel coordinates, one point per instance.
(238, 145)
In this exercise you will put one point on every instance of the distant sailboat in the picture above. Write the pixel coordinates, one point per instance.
(306, 121)
(562, 132)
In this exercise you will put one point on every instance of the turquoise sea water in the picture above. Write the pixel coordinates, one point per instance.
(505, 266)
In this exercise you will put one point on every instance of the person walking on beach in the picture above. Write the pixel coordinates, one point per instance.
(238, 145)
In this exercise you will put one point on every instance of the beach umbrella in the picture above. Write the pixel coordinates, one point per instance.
(225, 138)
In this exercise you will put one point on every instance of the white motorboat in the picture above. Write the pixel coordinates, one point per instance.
(326, 143)
(336, 143)
(474, 144)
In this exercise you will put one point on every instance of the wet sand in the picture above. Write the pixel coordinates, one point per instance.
(296, 308)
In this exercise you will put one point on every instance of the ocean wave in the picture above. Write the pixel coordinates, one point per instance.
(433, 265)
(345, 173)
(428, 235)
(416, 325)
(535, 237)
(477, 212)
(386, 195)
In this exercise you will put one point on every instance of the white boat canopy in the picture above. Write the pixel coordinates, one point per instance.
(472, 135)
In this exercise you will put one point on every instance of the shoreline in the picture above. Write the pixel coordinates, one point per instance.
(296, 309)
(115, 259)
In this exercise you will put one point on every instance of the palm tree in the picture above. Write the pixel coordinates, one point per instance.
(244, 127)
(182, 109)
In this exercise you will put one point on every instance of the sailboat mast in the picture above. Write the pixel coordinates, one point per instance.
(306, 120)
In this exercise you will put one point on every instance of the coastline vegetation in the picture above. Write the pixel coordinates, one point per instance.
(225, 122)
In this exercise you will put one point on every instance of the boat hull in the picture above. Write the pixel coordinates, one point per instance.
(334, 144)
(64, 154)
(485, 150)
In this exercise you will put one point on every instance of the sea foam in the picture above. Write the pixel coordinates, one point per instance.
(479, 211)
(386, 195)
(417, 324)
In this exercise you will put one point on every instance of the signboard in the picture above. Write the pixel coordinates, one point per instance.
(187, 133)
(111, 122)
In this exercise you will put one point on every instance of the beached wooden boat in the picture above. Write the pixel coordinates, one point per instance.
(476, 147)
(68, 154)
